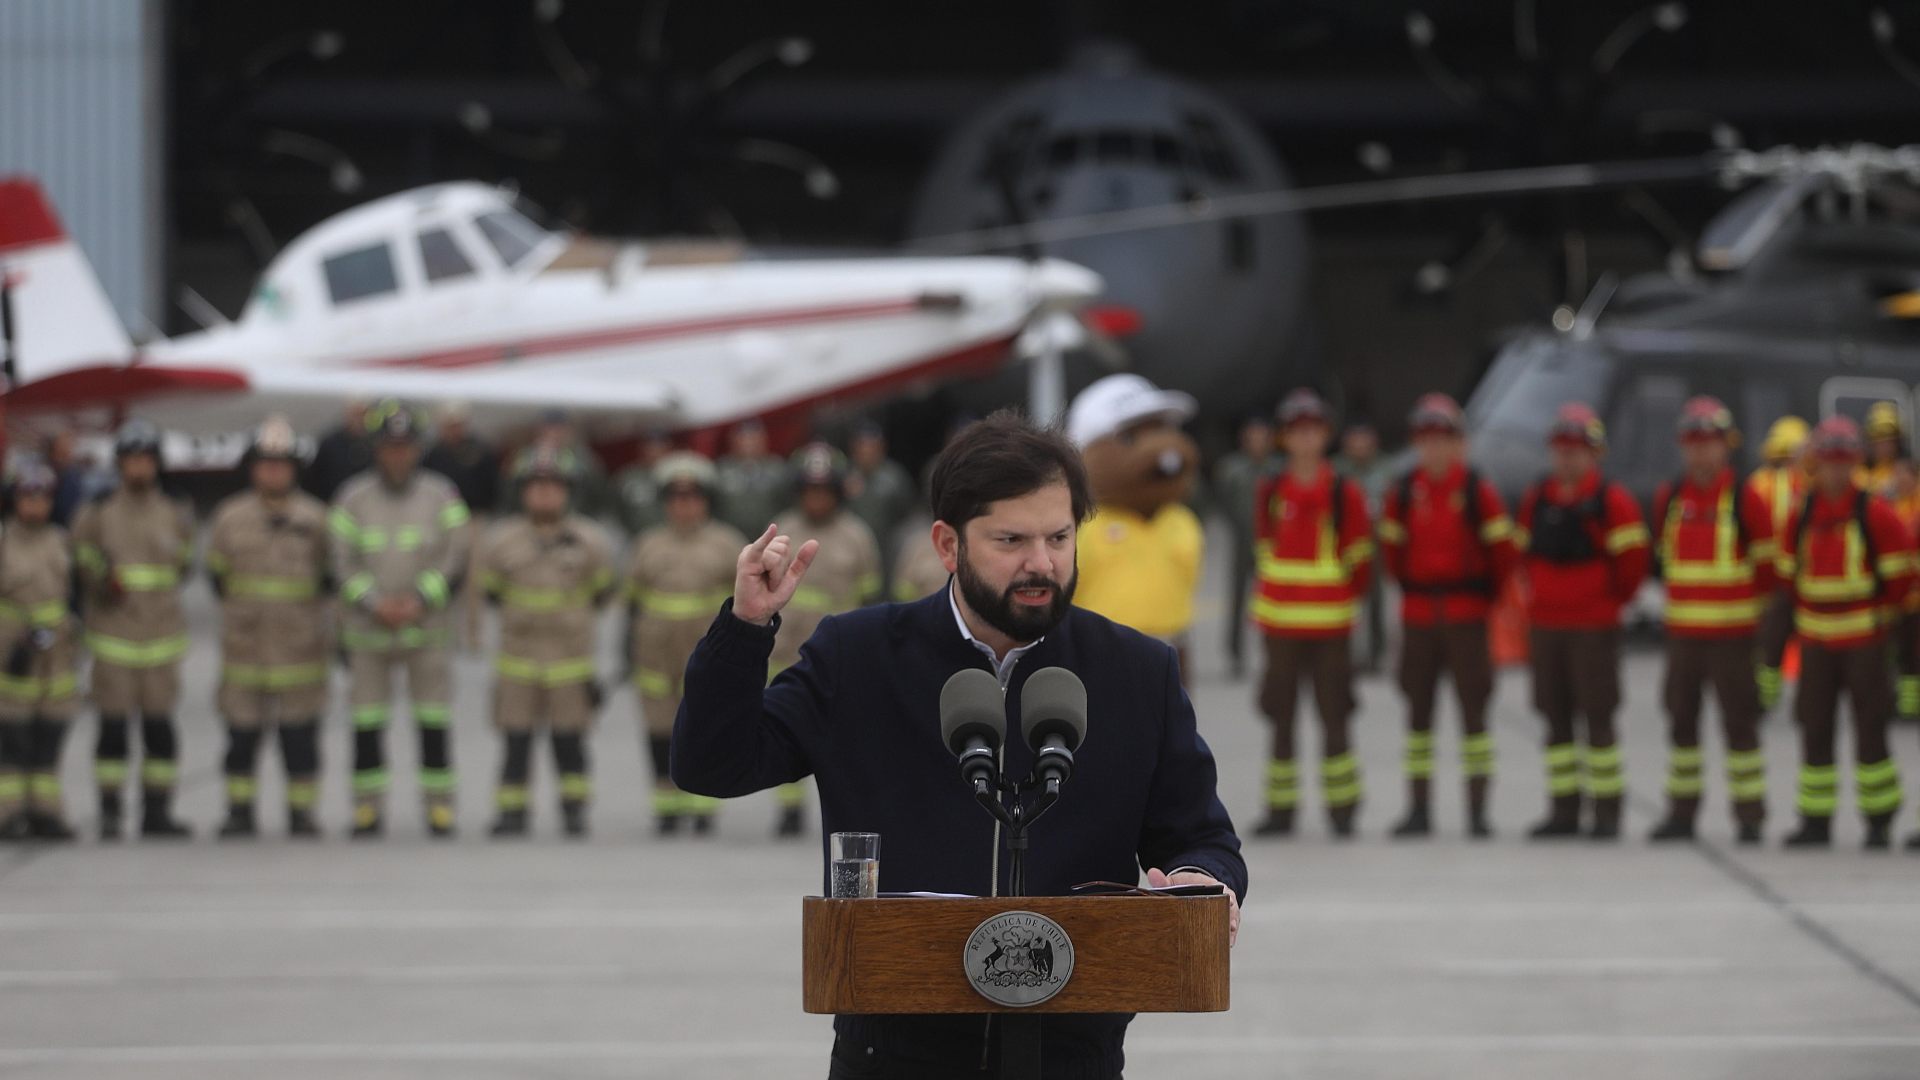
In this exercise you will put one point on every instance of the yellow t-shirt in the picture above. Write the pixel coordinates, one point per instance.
(1141, 573)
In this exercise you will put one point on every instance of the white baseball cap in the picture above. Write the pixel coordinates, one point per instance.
(1116, 401)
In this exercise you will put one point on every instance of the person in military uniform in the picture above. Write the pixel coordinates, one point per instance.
(134, 547)
(754, 484)
(39, 640)
(637, 489)
(1236, 478)
(269, 561)
(880, 491)
(679, 574)
(550, 572)
(400, 544)
(845, 575)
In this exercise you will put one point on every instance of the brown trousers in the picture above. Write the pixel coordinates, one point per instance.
(1726, 664)
(1328, 664)
(1776, 629)
(1863, 675)
(1455, 649)
(1577, 673)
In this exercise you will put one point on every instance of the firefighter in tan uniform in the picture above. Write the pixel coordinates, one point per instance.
(269, 560)
(845, 574)
(134, 548)
(680, 573)
(39, 641)
(550, 572)
(400, 542)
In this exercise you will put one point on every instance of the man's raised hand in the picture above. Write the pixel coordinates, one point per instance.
(764, 578)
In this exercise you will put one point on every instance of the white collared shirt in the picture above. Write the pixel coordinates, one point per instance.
(1002, 669)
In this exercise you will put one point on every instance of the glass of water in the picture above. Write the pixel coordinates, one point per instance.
(854, 873)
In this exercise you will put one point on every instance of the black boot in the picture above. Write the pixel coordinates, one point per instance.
(1477, 791)
(367, 820)
(1879, 833)
(1341, 820)
(300, 823)
(156, 818)
(110, 814)
(511, 824)
(666, 824)
(1606, 819)
(47, 825)
(1279, 822)
(1813, 832)
(1750, 834)
(791, 824)
(703, 824)
(573, 819)
(440, 817)
(240, 823)
(1913, 843)
(1417, 823)
(1562, 821)
(1673, 829)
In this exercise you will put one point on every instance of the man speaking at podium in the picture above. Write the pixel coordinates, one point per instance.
(860, 712)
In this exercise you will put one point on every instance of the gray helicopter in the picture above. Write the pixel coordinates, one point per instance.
(1806, 302)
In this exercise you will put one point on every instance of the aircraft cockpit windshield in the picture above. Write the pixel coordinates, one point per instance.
(511, 235)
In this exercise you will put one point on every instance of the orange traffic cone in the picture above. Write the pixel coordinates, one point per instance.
(1507, 624)
(1790, 661)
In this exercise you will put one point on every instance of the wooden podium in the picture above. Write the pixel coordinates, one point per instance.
(1131, 954)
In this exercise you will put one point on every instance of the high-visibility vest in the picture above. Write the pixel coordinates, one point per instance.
(1712, 571)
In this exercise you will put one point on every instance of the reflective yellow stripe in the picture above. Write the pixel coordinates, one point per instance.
(1392, 532)
(544, 672)
(371, 540)
(274, 676)
(1626, 538)
(433, 588)
(1323, 569)
(1714, 612)
(356, 587)
(676, 605)
(138, 653)
(1496, 530)
(412, 637)
(342, 525)
(408, 538)
(454, 514)
(46, 614)
(91, 557)
(1849, 624)
(1304, 615)
(1854, 582)
(1894, 565)
(147, 577)
(653, 683)
(29, 688)
(1357, 552)
(272, 587)
(526, 599)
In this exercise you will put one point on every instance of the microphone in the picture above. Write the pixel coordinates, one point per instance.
(973, 723)
(1053, 714)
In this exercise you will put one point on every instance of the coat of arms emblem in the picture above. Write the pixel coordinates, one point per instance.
(1019, 958)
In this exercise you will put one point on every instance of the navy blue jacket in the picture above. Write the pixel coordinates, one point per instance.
(860, 711)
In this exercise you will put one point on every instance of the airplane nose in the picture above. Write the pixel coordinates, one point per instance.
(1062, 282)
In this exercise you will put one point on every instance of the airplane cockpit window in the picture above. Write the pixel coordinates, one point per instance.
(441, 257)
(511, 236)
(1114, 146)
(1210, 146)
(1063, 151)
(360, 274)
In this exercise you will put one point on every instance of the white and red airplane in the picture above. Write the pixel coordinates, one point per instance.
(450, 292)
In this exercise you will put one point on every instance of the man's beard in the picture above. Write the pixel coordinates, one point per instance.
(1018, 621)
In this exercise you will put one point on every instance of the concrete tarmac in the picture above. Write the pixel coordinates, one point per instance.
(631, 956)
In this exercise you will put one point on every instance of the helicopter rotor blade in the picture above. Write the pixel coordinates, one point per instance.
(1523, 181)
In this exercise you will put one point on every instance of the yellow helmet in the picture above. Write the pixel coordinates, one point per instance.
(1785, 439)
(1883, 420)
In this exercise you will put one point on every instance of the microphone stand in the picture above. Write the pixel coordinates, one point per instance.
(1020, 1033)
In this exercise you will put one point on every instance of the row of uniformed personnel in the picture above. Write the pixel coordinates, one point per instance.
(1797, 549)
(373, 576)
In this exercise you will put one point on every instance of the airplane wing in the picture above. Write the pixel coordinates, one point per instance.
(210, 400)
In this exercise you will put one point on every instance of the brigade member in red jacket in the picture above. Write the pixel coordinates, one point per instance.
(1315, 548)
(1849, 564)
(1446, 537)
(1586, 555)
(1716, 546)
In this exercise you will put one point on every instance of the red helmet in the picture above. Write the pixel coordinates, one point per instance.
(1837, 439)
(1705, 417)
(1436, 413)
(1577, 423)
(1303, 406)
